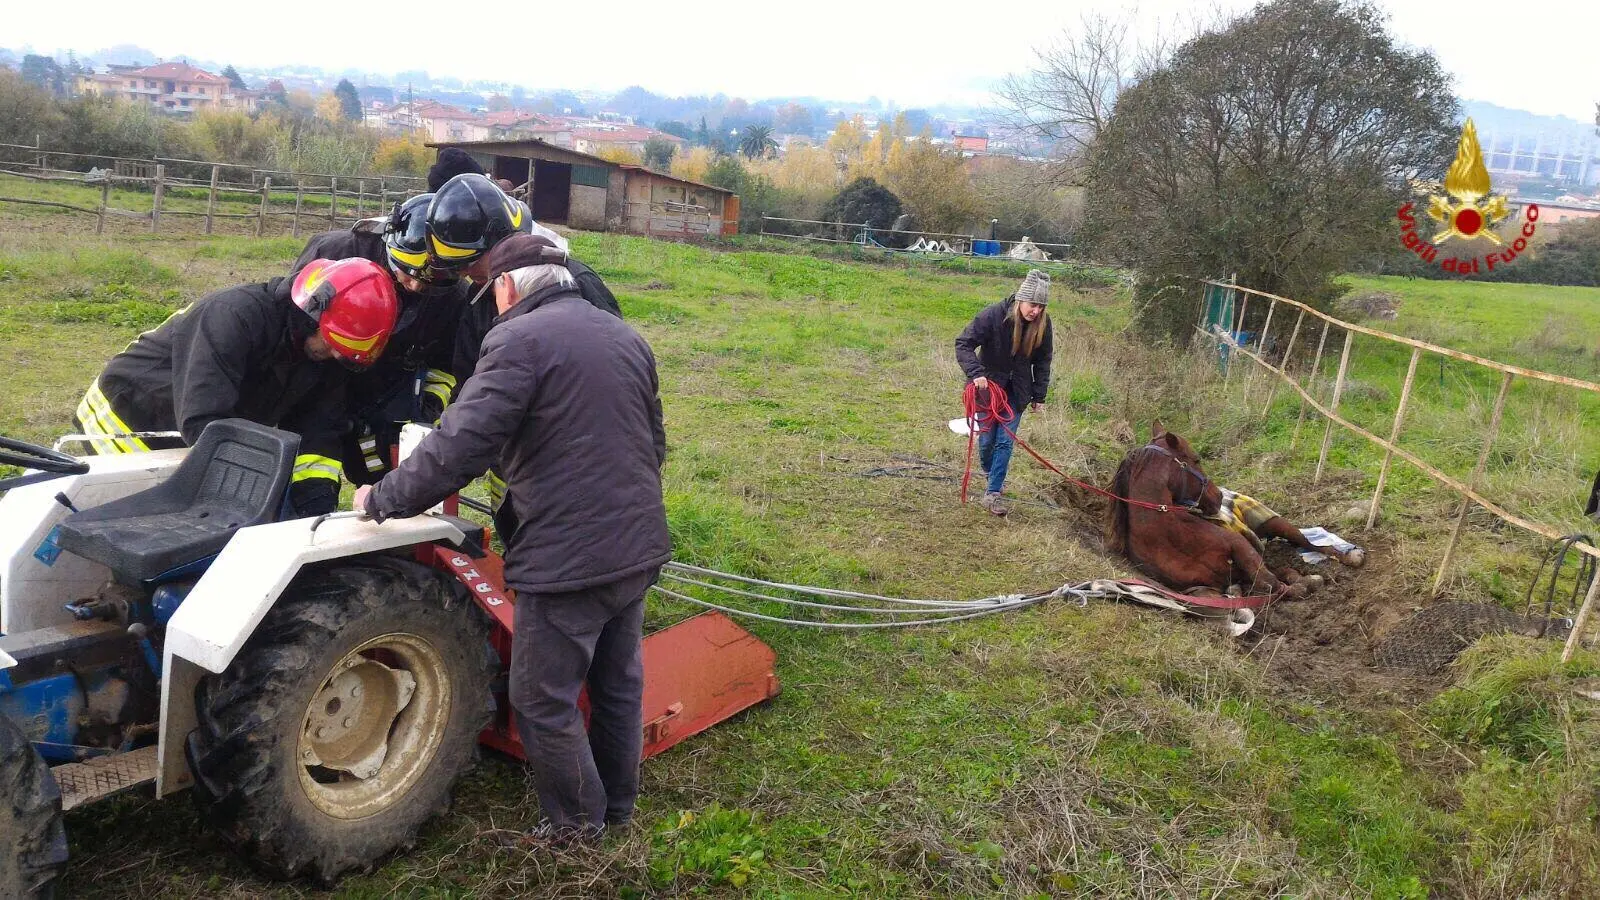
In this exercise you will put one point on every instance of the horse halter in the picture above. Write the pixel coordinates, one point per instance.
(1198, 475)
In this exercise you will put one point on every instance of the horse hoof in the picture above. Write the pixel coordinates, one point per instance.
(1354, 557)
(1313, 582)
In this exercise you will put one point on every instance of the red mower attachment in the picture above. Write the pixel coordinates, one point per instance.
(697, 673)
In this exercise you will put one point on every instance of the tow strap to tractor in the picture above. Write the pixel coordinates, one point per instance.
(1238, 613)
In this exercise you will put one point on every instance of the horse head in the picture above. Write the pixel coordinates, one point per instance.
(1187, 481)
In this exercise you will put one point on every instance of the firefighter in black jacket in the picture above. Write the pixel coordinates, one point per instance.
(276, 353)
(415, 378)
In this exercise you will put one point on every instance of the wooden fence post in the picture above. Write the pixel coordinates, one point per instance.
(1477, 478)
(105, 201)
(1288, 351)
(383, 198)
(1261, 350)
(1575, 639)
(1394, 435)
(361, 197)
(1338, 391)
(261, 215)
(211, 202)
(299, 193)
(1311, 384)
(155, 204)
(333, 203)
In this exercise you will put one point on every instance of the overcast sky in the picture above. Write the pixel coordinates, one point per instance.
(1539, 55)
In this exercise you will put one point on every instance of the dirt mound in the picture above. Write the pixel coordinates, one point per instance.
(1369, 635)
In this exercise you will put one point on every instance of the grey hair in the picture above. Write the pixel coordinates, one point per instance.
(530, 279)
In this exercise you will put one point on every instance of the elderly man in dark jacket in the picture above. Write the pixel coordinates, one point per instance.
(565, 400)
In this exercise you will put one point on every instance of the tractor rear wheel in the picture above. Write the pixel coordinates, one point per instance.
(33, 840)
(344, 723)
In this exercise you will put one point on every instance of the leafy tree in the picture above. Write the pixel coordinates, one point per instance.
(235, 79)
(693, 164)
(1277, 147)
(26, 111)
(757, 142)
(916, 121)
(864, 201)
(233, 136)
(620, 155)
(793, 118)
(349, 100)
(934, 186)
(702, 135)
(849, 137)
(658, 153)
(726, 173)
(676, 129)
(44, 72)
(402, 156)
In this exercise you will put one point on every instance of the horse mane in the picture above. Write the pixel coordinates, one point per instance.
(1116, 528)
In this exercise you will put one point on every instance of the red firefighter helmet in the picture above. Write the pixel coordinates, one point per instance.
(353, 303)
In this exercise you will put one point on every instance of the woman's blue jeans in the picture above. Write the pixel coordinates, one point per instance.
(994, 450)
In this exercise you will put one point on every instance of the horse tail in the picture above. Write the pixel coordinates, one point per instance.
(1116, 528)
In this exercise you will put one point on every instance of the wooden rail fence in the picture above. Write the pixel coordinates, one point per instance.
(373, 195)
(1470, 490)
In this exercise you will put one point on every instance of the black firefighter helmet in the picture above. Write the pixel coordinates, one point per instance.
(468, 216)
(405, 239)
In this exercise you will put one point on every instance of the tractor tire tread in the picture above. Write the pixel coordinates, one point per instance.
(33, 836)
(246, 712)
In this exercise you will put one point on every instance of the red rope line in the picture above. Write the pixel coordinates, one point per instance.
(998, 410)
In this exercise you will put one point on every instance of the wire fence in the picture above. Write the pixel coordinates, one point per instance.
(280, 201)
(928, 243)
(1224, 309)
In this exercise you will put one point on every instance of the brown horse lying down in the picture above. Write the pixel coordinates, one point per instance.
(1183, 550)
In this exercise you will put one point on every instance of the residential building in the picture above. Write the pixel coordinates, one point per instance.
(597, 137)
(432, 120)
(511, 124)
(174, 87)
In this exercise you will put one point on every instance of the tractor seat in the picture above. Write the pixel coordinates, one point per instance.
(234, 476)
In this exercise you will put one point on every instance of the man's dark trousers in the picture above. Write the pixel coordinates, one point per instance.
(561, 642)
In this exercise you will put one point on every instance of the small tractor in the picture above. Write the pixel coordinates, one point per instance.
(318, 685)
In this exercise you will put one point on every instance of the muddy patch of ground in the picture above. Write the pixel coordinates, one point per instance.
(1324, 643)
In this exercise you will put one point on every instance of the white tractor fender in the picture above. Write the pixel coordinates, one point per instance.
(238, 589)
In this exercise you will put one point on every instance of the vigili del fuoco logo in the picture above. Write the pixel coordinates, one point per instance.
(1467, 213)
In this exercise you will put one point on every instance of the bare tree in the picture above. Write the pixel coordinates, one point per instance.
(1066, 98)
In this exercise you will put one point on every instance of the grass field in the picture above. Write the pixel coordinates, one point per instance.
(1060, 751)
